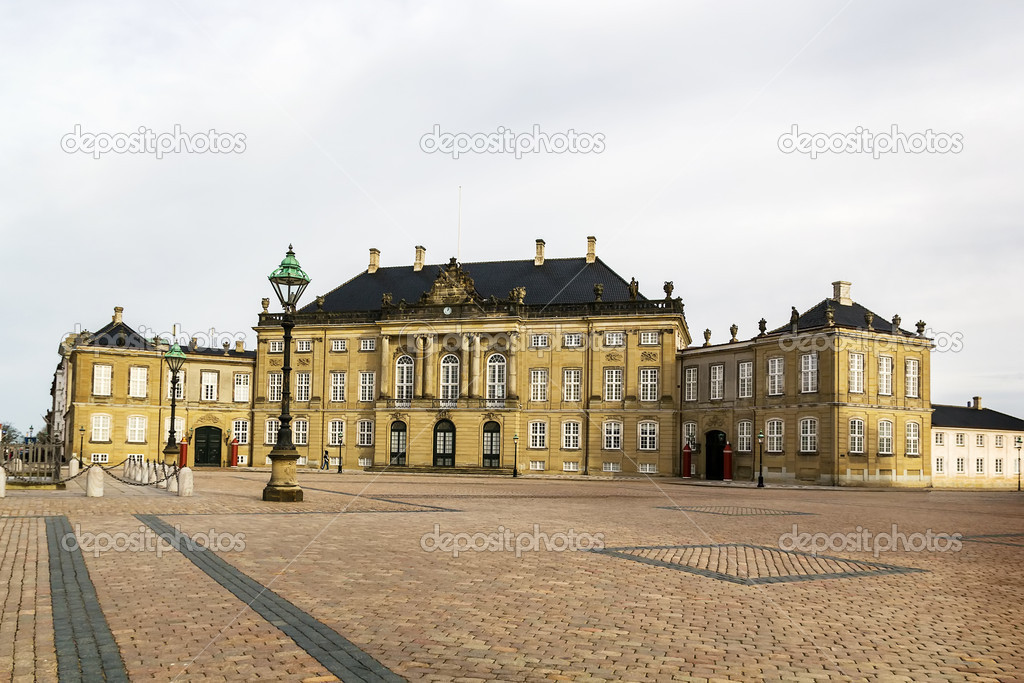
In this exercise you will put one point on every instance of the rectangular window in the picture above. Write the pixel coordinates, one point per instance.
(647, 468)
(367, 383)
(365, 462)
(179, 393)
(538, 435)
(613, 384)
(808, 373)
(614, 339)
(774, 436)
(979, 440)
(885, 376)
(100, 458)
(179, 428)
(571, 436)
(746, 379)
(240, 431)
(571, 378)
(274, 384)
(337, 387)
(856, 373)
(101, 380)
(339, 345)
(270, 438)
(856, 436)
(913, 378)
(885, 437)
(276, 346)
(367, 344)
(717, 382)
(940, 438)
(365, 433)
(611, 467)
(301, 430)
(100, 428)
(537, 465)
(647, 439)
(648, 384)
(690, 384)
(776, 378)
(136, 429)
(690, 433)
(304, 345)
(745, 436)
(573, 340)
(808, 435)
(209, 384)
(998, 466)
(961, 465)
(539, 384)
(913, 438)
(539, 341)
(302, 382)
(979, 466)
(999, 440)
(612, 436)
(241, 387)
(960, 439)
(570, 467)
(135, 457)
(649, 338)
(336, 433)
(137, 380)
(940, 465)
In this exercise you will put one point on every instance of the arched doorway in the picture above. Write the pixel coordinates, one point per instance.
(492, 444)
(207, 445)
(444, 444)
(714, 458)
(398, 443)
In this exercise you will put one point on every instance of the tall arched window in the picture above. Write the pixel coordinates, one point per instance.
(403, 380)
(450, 378)
(444, 444)
(496, 380)
(492, 444)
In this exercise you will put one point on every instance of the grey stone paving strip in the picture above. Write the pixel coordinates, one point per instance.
(339, 655)
(386, 500)
(731, 511)
(86, 649)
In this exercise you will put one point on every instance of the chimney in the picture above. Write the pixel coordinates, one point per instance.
(841, 293)
(538, 260)
(591, 249)
(421, 255)
(239, 345)
(118, 310)
(374, 260)
(977, 402)
(225, 345)
(193, 343)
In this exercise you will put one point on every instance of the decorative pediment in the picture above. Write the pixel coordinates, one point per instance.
(452, 286)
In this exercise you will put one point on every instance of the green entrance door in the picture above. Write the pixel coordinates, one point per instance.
(207, 445)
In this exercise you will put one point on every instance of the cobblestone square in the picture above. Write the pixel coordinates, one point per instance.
(443, 578)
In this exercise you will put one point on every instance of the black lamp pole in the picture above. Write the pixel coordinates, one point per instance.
(515, 451)
(81, 446)
(1018, 442)
(760, 459)
(175, 359)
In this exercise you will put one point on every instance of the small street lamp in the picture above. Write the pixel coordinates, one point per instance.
(1017, 442)
(760, 459)
(175, 359)
(289, 283)
(81, 445)
(515, 451)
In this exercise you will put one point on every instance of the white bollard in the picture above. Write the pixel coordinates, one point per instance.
(94, 482)
(3, 482)
(127, 467)
(172, 483)
(161, 477)
(185, 483)
(145, 474)
(73, 467)
(16, 465)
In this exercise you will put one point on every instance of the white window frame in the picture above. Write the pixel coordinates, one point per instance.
(497, 374)
(690, 383)
(99, 458)
(716, 382)
(368, 344)
(179, 395)
(775, 430)
(240, 431)
(337, 386)
(913, 438)
(885, 375)
(647, 468)
(745, 373)
(270, 429)
(649, 338)
(960, 439)
(303, 385)
(572, 382)
(856, 373)
(613, 384)
(776, 376)
(913, 381)
(857, 436)
(979, 440)
(649, 384)
(339, 345)
(241, 391)
(101, 428)
(999, 440)
(102, 379)
(961, 465)
(572, 340)
(405, 372)
(300, 432)
(138, 381)
(885, 437)
(450, 375)
(745, 436)
(611, 467)
(979, 465)
(275, 386)
(571, 431)
(303, 345)
(275, 346)
(208, 382)
(612, 435)
(365, 433)
(537, 465)
(538, 384)
(808, 435)
(570, 466)
(997, 466)
(940, 464)
(647, 435)
(179, 428)
(940, 438)
(690, 433)
(367, 386)
(808, 373)
(336, 433)
(539, 341)
(136, 432)
(614, 339)
(538, 432)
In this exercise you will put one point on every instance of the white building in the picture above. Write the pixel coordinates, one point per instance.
(975, 447)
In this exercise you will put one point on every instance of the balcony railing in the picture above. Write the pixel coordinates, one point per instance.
(452, 404)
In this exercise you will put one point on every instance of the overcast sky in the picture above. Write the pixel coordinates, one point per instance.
(689, 100)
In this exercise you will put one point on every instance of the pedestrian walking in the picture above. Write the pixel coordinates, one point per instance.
(326, 462)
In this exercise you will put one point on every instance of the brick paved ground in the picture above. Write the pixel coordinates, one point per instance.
(692, 585)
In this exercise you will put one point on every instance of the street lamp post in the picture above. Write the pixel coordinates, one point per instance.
(1017, 442)
(81, 445)
(175, 359)
(760, 459)
(515, 451)
(289, 283)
